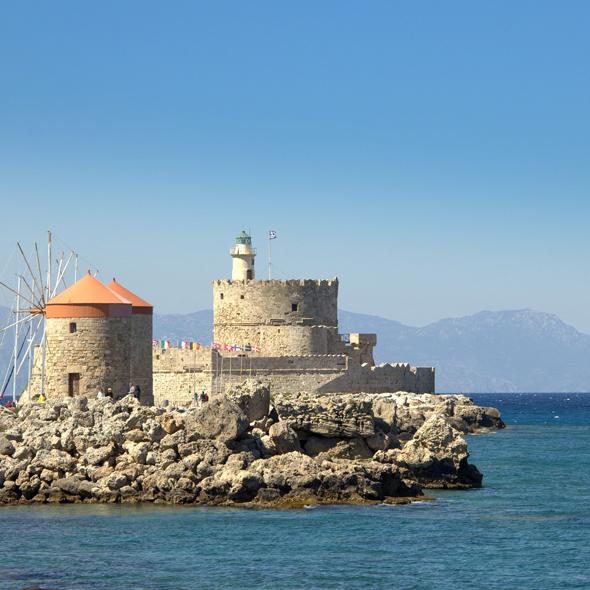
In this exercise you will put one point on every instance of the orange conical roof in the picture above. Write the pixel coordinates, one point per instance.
(88, 297)
(88, 290)
(139, 305)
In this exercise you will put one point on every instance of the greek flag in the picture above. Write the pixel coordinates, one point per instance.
(272, 234)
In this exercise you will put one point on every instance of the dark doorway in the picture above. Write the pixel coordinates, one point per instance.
(73, 384)
(249, 275)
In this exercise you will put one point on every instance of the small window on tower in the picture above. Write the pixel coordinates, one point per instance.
(221, 296)
(73, 328)
(294, 306)
(241, 297)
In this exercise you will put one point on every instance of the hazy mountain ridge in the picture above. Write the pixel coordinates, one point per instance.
(515, 350)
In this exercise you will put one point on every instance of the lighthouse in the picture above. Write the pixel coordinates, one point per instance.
(243, 256)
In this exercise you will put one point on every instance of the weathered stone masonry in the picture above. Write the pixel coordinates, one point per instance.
(282, 317)
(98, 351)
(179, 373)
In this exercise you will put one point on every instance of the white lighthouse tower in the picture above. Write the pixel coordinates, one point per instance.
(243, 256)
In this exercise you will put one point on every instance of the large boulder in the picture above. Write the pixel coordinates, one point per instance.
(282, 438)
(75, 486)
(289, 471)
(337, 448)
(54, 460)
(253, 398)
(6, 447)
(478, 418)
(236, 485)
(436, 456)
(329, 415)
(98, 456)
(219, 419)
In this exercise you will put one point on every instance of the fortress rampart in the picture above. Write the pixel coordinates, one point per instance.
(100, 337)
(179, 373)
(293, 327)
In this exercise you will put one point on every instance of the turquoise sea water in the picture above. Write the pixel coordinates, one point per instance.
(528, 528)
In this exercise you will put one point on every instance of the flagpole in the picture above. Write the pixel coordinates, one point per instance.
(269, 255)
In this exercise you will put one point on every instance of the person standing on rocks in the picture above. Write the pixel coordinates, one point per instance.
(110, 392)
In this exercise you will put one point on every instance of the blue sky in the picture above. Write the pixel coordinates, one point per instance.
(432, 155)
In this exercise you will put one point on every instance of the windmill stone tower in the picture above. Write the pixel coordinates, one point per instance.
(88, 329)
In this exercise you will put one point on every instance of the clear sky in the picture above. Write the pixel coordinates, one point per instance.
(432, 155)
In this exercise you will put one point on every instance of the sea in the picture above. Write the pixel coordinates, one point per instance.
(527, 528)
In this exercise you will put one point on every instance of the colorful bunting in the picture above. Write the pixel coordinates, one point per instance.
(190, 345)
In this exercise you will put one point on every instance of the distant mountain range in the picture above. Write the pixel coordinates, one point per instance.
(504, 351)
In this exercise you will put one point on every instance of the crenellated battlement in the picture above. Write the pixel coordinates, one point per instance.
(279, 282)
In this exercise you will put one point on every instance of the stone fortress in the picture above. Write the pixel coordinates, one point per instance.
(286, 332)
(282, 332)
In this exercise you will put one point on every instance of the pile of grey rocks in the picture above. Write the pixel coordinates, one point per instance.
(245, 449)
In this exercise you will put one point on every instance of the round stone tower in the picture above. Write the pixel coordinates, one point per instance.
(243, 256)
(88, 335)
(141, 341)
(282, 318)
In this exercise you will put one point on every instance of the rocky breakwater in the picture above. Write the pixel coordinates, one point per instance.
(242, 450)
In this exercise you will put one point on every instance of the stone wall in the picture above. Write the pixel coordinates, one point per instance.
(253, 311)
(179, 373)
(141, 355)
(98, 350)
(282, 340)
(365, 343)
(384, 378)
